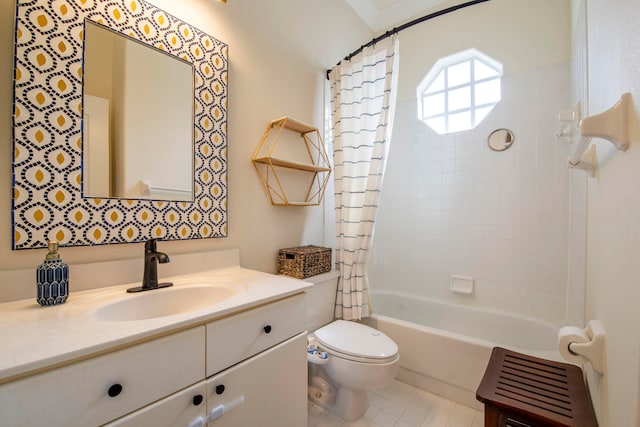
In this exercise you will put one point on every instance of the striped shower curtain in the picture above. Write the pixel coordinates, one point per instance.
(363, 92)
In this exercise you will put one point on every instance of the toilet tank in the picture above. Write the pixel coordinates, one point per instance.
(321, 299)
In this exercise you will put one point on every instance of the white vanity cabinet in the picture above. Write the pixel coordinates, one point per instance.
(255, 358)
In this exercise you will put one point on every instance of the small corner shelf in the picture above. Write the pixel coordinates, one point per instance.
(271, 164)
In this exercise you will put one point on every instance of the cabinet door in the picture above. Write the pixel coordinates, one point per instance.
(179, 409)
(270, 389)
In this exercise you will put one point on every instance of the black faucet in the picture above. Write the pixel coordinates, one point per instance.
(151, 259)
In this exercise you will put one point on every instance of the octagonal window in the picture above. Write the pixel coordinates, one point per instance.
(459, 91)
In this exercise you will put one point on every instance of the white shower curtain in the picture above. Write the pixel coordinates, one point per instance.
(363, 92)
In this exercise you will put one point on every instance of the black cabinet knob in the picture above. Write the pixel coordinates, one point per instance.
(267, 329)
(114, 390)
(220, 389)
(197, 399)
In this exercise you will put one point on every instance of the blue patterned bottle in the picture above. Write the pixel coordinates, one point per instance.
(52, 278)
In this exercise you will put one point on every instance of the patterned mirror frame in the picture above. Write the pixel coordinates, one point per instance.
(47, 157)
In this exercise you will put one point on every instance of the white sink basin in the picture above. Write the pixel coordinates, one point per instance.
(178, 299)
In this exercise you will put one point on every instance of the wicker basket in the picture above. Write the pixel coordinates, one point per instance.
(304, 261)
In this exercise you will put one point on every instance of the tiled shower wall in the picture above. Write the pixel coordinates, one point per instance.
(451, 206)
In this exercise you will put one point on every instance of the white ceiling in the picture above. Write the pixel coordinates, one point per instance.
(383, 15)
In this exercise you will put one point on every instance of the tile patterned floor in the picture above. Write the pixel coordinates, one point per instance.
(401, 405)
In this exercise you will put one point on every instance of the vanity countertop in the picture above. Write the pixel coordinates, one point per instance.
(35, 337)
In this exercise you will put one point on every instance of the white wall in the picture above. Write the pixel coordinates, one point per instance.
(450, 205)
(278, 53)
(613, 233)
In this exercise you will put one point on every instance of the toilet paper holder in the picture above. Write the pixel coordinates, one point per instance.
(592, 350)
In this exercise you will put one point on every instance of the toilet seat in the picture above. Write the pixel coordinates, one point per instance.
(357, 342)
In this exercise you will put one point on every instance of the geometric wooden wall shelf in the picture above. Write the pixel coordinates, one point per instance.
(292, 173)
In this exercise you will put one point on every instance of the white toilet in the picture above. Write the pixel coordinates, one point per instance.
(346, 359)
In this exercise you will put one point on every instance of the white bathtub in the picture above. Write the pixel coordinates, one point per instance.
(445, 348)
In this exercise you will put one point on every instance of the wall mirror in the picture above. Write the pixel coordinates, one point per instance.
(48, 179)
(500, 139)
(137, 133)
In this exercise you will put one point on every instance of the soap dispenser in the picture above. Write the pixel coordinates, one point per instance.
(52, 278)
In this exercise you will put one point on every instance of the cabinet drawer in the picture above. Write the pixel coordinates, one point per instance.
(98, 390)
(239, 337)
(180, 409)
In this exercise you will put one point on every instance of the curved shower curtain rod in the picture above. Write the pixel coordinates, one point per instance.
(407, 25)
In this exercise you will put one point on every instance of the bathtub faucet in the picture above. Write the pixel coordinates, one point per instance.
(151, 259)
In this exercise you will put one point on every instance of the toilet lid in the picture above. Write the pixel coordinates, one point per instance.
(356, 340)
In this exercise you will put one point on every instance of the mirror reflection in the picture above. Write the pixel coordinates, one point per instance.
(137, 120)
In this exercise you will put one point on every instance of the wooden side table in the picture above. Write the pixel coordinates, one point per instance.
(524, 391)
